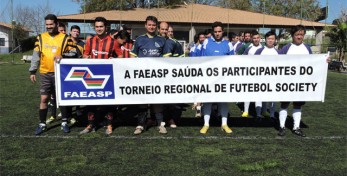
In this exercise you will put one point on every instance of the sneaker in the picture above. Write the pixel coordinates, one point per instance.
(73, 121)
(172, 124)
(40, 129)
(109, 130)
(65, 127)
(282, 131)
(87, 130)
(162, 129)
(59, 115)
(244, 114)
(50, 120)
(299, 132)
(138, 130)
(204, 129)
(226, 129)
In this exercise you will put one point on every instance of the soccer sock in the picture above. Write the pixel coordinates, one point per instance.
(224, 121)
(272, 109)
(258, 110)
(283, 117)
(109, 117)
(297, 118)
(43, 115)
(91, 118)
(246, 106)
(207, 120)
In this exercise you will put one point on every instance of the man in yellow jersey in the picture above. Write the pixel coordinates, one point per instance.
(48, 46)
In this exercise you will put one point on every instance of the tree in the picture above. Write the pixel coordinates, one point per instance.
(307, 10)
(338, 35)
(236, 4)
(32, 17)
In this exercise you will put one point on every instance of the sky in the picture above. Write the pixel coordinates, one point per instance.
(65, 7)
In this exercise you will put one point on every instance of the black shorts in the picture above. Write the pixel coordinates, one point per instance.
(47, 86)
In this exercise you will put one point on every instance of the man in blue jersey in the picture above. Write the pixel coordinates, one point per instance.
(296, 47)
(196, 49)
(268, 49)
(216, 46)
(149, 45)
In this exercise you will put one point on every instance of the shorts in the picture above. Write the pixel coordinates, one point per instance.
(47, 86)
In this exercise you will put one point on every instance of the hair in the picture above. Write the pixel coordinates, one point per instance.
(196, 38)
(217, 24)
(52, 17)
(241, 32)
(60, 24)
(270, 33)
(112, 31)
(208, 31)
(297, 28)
(123, 34)
(152, 18)
(233, 35)
(101, 19)
(75, 27)
(254, 33)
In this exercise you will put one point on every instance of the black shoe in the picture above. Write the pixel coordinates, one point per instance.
(282, 131)
(299, 132)
(258, 119)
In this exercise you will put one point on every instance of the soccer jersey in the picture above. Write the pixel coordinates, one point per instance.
(76, 50)
(266, 51)
(126, 48)
(242, 47)
(296, 49)
(49, 46)
(104, 48)
(148, 46)
(211, 47)
(252, 49)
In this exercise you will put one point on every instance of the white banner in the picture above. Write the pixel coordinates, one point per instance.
(196, 79)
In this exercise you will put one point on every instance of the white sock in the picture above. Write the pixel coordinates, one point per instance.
(296, 118)
(224, 121)
(283, 117)
(63, 123)
(207, 120)
(198, 108)
(42, 124)
(246, 106)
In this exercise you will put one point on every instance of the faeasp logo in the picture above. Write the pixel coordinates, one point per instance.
(86, 82)
(89, 80)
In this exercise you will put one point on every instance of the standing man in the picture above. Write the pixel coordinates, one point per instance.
(268, 49)
(101, 46)
(250, 50)
(154, 43)
(216, 46)
(296, 47)
(246, 42)
(48, 46)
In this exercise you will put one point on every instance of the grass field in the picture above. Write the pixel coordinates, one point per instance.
(252, 149)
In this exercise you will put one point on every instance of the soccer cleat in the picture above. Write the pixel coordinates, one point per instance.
(244, 114)
(108, 130)
(282, 131)
(73, 121)
(65, 127)
(40, 129)
(204, 129)
(162, 129)
(299, 132)
(87, 130)
(172, 124)
(138, 130)
(226, 129)
(50, 120)
(59, 115)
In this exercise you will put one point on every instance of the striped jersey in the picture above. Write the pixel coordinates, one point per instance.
(50, 46)
(211, 47)
(104, 48)
(296, 49)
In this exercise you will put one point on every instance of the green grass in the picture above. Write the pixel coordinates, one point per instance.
(250, 150)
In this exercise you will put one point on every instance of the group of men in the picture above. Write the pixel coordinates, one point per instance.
(54, 45)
